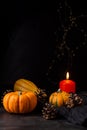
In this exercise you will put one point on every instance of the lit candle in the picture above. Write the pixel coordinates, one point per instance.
(67, 85)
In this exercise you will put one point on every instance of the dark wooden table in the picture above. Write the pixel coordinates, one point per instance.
(33, 121)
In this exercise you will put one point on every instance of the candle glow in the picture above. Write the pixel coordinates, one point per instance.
(67, 84)
(67, 75)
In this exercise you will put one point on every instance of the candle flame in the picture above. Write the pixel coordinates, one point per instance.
(67, 75)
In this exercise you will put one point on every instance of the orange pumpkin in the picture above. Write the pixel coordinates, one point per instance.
(19, 102)
(59, 98)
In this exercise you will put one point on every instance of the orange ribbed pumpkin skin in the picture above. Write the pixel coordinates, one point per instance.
(19, 102)
(58, 98)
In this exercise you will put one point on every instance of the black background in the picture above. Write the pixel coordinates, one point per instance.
(28, 41)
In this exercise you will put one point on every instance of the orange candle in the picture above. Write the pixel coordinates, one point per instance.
(67, 84)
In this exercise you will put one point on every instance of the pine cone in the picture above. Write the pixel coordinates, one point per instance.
(7, 91)
(74, 100)
(49, 111)
(42, 96)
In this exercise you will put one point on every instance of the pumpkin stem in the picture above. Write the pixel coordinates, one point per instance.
(59, 90)
(19, 93)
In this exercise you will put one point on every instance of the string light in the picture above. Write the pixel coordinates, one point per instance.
(68, 29)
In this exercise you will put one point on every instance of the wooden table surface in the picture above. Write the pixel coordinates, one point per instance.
(33, 121)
